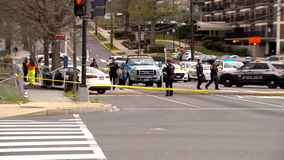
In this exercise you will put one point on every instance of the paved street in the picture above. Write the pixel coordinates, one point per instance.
(207, 127)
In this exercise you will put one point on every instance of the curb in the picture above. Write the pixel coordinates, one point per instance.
(56, 112)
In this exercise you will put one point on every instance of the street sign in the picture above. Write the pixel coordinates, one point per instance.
(60, 37)
(254, 40)
(168, 50)
(181, 49)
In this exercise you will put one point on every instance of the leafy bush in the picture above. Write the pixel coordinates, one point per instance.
(242, 51)
(207, 43)
(213, 38)
(227, 48)
(217, 45)
(118, 34)
(159, 48)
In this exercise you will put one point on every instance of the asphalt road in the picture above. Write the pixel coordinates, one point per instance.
(203, 127)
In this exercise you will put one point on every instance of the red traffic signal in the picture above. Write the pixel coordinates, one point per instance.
(79, 7)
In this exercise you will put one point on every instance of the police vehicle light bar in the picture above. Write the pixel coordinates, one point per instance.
(228, 60)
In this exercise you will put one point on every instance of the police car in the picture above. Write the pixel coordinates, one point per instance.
(228, 65)
(255, 73)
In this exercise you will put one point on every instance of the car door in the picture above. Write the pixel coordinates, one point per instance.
(45, 75)
(258, 74)
(59, 78)
(245, 73)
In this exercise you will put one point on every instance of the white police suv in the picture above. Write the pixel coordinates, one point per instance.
(255, 73)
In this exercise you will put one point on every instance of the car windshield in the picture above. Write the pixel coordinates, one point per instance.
(233, 65)
(91, 70)
(141, 61)
(121, 58)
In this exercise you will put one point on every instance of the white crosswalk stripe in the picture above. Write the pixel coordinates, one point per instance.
(61, 139)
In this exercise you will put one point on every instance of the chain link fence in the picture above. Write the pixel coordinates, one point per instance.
(11, 84)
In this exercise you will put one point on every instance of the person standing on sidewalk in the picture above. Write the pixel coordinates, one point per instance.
(113, 70)
(169, 79)
(199, 72)
(25, 68)
(213, 75)
(94, 63)
(31, 70)
(15, 50)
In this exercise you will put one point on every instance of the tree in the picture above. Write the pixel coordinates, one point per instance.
(151, 10)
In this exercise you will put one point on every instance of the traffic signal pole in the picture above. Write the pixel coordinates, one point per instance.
(83, 94)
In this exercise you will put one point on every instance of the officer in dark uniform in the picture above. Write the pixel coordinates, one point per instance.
(94, 63)
(169, 69)
(199, 72)
(214, 76)
(113, 69)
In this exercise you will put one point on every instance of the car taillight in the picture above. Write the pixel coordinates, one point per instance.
(91, 76)
(107, 76)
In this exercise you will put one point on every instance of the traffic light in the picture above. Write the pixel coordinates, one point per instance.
(79, 7)
(97, 9)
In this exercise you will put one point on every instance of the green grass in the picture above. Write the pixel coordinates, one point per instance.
(90, 27)
(100, 37)
(74, 96)
(10, 94)
(3, 53)
(94, 100)
(9, 70)
(108, 46)
(120, 53)
(161, 55)
(161, 36)
(207, 51)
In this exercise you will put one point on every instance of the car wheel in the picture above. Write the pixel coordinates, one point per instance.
(185, 81)
(239, 85)
(102, 91)
(188, 79)
(281, 86)
(272, 82)
(128, 81)
(227, 81)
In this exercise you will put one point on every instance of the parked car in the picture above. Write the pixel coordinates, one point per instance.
(219, 59)
(276, 58)
(262, 59)
(187, 55)
(244, 59)
(96, 80)
(228, 65)
(206, 73)
(180, 74)
(208, 58)
(119, 59)
(186, 66)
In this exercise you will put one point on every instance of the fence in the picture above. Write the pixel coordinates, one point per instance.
(10, 84)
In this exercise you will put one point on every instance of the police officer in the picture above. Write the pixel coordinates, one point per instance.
(199, 72)
(169, 69)
(213, 75)
(113, 69)
(94, 63)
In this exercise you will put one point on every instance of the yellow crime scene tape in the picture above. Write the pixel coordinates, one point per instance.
(152, 88)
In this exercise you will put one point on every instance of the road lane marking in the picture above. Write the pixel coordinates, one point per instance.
(49, 143)
(47, 149)
(175, 101)
(37, 133)
(203, 109)
(263, 103)
(41, 125)
(55, 156)
(40, 129)
(41, 137)
(90, 138)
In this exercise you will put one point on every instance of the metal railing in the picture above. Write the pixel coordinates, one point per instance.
(10, 79)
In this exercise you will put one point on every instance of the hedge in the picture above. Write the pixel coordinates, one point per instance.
(217, 45)
(213, 38)
(159, 48)
(207, 43)
(240, 51)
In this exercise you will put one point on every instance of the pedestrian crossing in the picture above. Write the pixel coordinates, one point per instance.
(59, 139)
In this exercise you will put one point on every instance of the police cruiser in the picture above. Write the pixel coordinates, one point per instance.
(255, 73)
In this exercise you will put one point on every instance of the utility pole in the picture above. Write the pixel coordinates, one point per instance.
(96, 23)
(192, 30)
(139, 28)
(111, 26)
